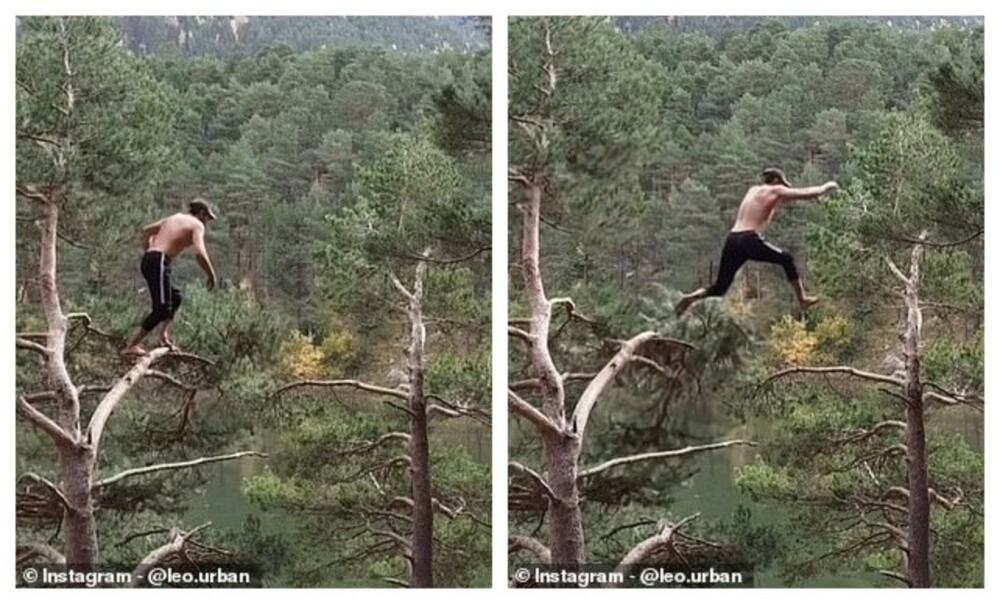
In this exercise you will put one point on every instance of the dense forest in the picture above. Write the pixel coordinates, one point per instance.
(842, 446)
(327, 423)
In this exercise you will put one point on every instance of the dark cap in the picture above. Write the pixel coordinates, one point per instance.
(200, 205)
(773, 175)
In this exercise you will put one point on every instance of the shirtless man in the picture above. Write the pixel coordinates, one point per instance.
(746, 239)
(162, 241)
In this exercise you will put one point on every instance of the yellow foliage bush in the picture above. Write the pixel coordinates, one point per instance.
(300, 357)
(832, 332)
(792, 343)
(339, 346)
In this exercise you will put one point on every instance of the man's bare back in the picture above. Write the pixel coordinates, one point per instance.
(176, 234)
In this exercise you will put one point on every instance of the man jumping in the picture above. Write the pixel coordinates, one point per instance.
(162, 241)
(746, 239)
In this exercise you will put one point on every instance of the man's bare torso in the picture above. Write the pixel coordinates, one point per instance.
(176, 234)
(756, 209)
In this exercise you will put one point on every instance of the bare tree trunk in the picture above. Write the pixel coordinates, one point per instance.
(566, 542)
(423, 512)
(918, 558)
(76, 460)
(422, 540)
(76, 469)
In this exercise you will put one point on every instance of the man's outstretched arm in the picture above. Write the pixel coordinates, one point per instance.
(790, 194)
(201, 255)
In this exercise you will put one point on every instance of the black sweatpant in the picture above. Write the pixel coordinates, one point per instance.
(166, 298)
(741, 246)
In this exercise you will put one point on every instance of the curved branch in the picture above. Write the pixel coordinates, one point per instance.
(661, 455)
(520, 334)
(641, 552)
(162, 467)
(373, 444)
(534, 415)
(866, 375)
(99, 420)
(45, 423)
(535, 477)
(567, 378)
(167, 378)
(28, 551)
(176, 544)
(355, 384)
(48, 484)
(897, 576)
(604, 377)
(524, 543)
(26, 344)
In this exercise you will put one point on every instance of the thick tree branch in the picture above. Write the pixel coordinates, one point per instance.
(567, 378)
(536, 478)
(163, 467)
(866, 375)
(29, 551)
(25, 344)
(355, 384)
(534, 415)
(524, 543)
(641, 552)
(99, 420)
(605, 377)
(607, 465)
(552, 392)
(520, 334)
(49, 485)
(45, 423)
(177, 543)
(897, 576)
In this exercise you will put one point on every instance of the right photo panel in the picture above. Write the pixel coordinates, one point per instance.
(746, 301)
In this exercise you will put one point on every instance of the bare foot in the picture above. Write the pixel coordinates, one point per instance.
(808, 301)
(169, 344)
(684, 304)
(133, 351)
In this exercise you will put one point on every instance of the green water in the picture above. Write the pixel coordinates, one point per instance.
(222, 503)
(712, 490)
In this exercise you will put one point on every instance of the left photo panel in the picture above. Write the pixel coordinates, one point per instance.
(253, 300)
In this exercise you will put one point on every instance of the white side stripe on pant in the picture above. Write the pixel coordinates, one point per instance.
(162, 299)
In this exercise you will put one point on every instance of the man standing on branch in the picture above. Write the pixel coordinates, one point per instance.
(746, 239)
(162, 241)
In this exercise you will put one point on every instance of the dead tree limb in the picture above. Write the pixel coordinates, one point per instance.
(176, 465)
(618, 461)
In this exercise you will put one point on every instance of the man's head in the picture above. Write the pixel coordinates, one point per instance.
(774, 176)
(200, 209)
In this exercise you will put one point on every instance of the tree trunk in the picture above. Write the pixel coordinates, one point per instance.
(560, 455)
(76, 467)
(76, 461)
(422, 540)
(918, 561)
(918, 558)
(420, 480)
